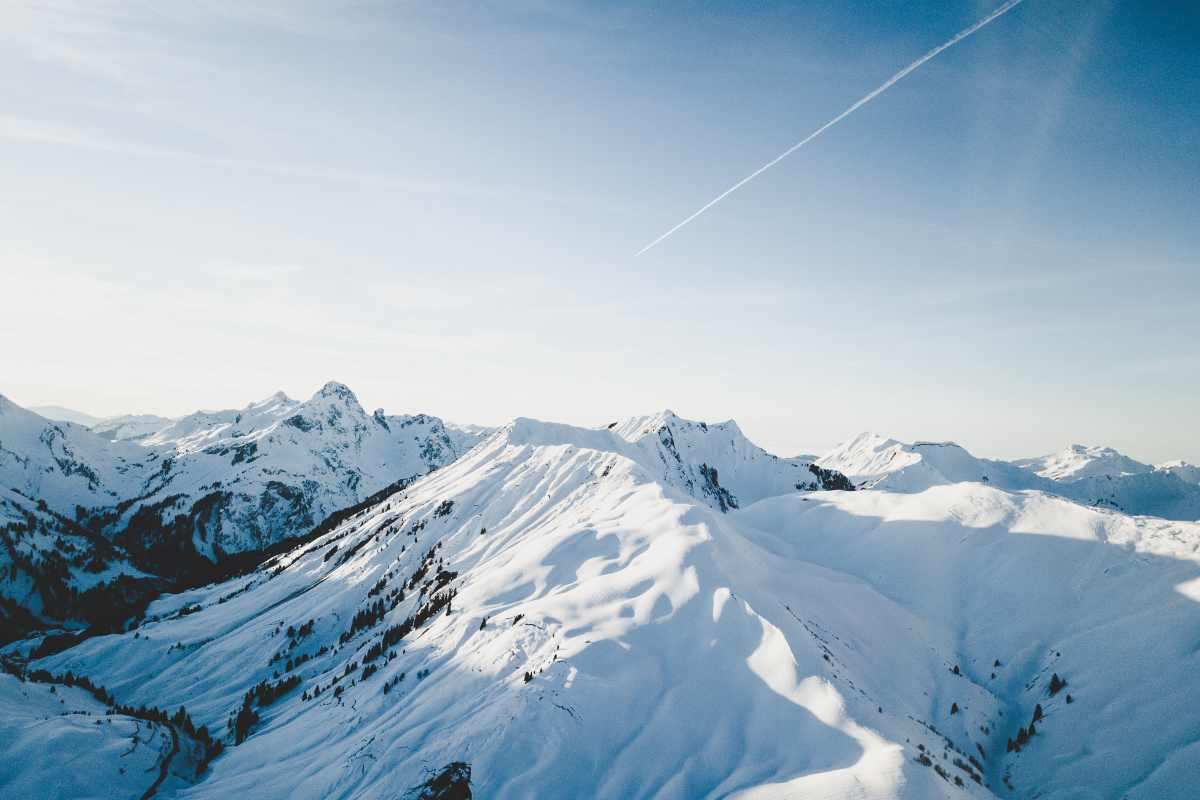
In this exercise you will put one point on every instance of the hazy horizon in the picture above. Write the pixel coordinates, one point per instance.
(439, 207)
(748, 430)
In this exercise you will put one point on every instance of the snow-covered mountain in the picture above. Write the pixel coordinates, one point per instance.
(717, 463)
(1094, 476)
(129, 427)
(179, 499)
(63, 414)
(1080, 461)
(1182, 469)
(873, 461)
(569, 612)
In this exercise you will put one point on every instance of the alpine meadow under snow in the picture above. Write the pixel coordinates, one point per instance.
(653, 607)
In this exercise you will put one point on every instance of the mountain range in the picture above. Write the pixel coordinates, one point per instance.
(1093, 476)
(137, 504)
(652, 607)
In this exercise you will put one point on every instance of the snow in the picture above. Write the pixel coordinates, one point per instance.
(744, 470)
(800, 644)
(1181, 469)
(64, 745)
(224, 482)
(129, 427)
(1080, 461)
(1094, 476)
(61, 414)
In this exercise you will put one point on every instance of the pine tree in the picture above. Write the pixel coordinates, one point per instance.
(954, 708)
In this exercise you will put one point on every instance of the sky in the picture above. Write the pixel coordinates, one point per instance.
(439, 205)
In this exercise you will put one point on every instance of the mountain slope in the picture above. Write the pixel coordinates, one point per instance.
(1080, 461)
(61, 414)
(129, 427)
(237, 481)
(559, 612)
(1091, 476)
(80, 511)
(717, 463)
(1189, 473)
(95, 755)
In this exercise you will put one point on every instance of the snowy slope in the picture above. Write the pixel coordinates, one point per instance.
(129, 427)
(235, 481)
(562, 613)
(717, 463)
(79, 510)
(94, 755)
(63, 464)
(873, 461)
(51, 567)
(61, 414)
(1190, 473)
(1091, 476)
(1080, 461)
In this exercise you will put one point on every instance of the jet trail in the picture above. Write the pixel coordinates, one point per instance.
(963, 34)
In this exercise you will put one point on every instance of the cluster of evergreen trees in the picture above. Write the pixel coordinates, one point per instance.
(264, 693)
(181, 720)
(364, 618)
(1025, 734)
(303, 631)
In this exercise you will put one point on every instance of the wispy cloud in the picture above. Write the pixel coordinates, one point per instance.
(47, 132)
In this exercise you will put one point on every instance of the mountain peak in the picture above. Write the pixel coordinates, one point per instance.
(335, 387)
(336, 391)
(1084, 461)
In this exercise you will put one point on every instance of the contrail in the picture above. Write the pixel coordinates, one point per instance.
(958, 37)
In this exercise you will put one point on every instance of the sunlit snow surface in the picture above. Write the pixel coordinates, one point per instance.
(1094, 476)
(804, 645)
(225, 482)
(64, 744)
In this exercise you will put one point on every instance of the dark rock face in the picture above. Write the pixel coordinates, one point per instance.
(713, 488)
(831, 479)
(452, 783)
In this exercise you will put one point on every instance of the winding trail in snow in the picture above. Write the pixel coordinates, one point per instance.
(164, 766)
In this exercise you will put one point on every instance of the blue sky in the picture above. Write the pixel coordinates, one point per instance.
(438, 204)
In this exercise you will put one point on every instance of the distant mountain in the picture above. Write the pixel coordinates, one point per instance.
(178, 501)
(717, 463)
(876, 462)
(130, 427)
(571, 612)
(1080, 461)
(60, 414)
(1189, 473)
(1094, 476)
